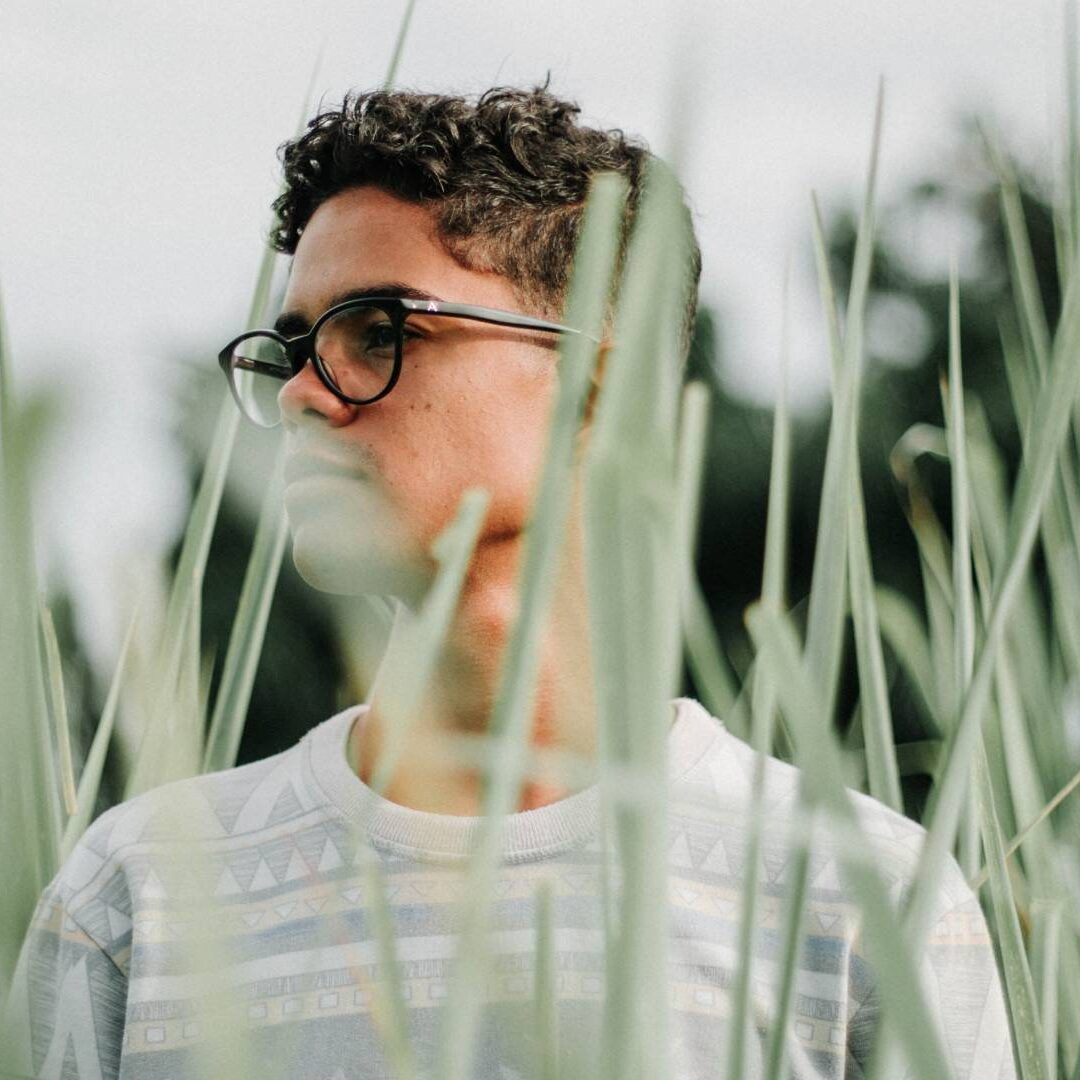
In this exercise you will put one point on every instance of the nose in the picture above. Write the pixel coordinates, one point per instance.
(305, 396)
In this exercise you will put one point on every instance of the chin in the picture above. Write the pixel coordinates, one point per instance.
(360, 572)
(348, 549)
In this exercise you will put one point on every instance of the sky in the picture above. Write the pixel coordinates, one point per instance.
(139, 163)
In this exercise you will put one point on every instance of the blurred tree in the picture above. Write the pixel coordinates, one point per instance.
(907, 349)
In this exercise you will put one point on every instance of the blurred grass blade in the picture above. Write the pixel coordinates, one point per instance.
(774, 586)
(633, 578)
(57, 700)
(589, 291)
(389, 989)
(1045, 948)
(1050, 423)
(818, 757)
(704, 652)
(1029, 828)
(399, 46)
(963, 592)
(90, 779)
(705, 655)
(827, 294)
(248, 629)
(882, 771)
(416, 640)
(906, 636)
(1020, 991)
(828, 589)
(544, 993)
(29, 793)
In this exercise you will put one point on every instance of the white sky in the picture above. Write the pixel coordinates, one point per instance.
(138, 162)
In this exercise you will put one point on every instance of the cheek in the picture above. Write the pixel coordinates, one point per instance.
(480, 433)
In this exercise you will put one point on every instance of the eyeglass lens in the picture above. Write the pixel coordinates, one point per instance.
(356, 348)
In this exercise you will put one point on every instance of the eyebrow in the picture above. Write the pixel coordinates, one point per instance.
(294, 323)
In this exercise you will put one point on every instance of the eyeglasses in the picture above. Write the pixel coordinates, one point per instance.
(356, 347)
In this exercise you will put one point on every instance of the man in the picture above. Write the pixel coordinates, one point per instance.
(415, 358)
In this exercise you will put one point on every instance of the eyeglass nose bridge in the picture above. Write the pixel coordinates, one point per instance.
(298, 351)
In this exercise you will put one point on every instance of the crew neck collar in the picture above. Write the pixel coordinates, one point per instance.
(528, 835)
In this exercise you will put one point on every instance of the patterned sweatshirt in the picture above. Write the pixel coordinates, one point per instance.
(235, 910)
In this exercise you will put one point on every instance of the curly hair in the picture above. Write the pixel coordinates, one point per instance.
(505, 176)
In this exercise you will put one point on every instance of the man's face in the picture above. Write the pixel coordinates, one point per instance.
(470, 408)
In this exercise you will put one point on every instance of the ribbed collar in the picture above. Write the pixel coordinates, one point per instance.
(528, 836)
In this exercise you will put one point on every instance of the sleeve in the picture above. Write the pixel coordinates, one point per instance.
(961, 974)
(66, 1009)
(963, 991)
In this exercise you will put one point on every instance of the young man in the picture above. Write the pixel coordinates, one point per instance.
(415, 357)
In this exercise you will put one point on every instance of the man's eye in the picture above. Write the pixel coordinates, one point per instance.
(379, 337)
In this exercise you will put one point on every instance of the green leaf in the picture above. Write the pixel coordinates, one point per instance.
(248, 630)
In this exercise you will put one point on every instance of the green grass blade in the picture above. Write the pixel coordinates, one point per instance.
(58, 707)
(399, 45)
(715, 684)
(818, 756)
(90, 779)
(903, 631)
(1020, 991)
(1045, 948)
(962, 589)
(389, 991)
(827, 294)
(589, 291)
(416, 640)
(705, 655)
(774, 586)
(828, 590)
(1018, 840)
(629, 511)
(546, 1024)
(248, 630)
(1050, 423)
(882, 771)
(29, 795)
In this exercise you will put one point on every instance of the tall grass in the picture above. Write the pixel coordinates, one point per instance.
(996, 668)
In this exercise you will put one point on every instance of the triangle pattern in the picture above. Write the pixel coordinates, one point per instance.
(227, 884)
(152, 889)
(119, 923)
(297, 868)
(679, 855)
(827, 920)
(286, 806)
(264, 877)
(827, 877)
(331, 857)
(353, 895)
(252, 918)
(775, 865)
(716, 861)
(285, 910)
(316, 903)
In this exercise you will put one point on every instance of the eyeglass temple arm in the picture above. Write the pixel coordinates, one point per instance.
(275, 370)
(492, 315)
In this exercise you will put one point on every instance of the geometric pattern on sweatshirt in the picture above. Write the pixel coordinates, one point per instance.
(271, 890)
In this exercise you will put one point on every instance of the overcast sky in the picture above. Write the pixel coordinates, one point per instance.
(138, 163)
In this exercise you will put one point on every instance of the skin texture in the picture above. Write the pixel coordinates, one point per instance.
(471, 409)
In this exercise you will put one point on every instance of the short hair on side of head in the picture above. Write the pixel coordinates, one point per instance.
(505, 176)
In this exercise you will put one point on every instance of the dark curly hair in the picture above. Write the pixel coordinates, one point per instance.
(505, 177)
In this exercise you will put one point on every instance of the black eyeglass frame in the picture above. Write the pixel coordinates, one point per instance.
(298, 350)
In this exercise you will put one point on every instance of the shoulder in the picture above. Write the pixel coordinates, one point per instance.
(720, 785)
(130, 846)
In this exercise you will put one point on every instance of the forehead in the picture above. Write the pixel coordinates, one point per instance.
(365, 237)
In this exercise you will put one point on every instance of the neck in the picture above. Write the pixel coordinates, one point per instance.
(460, 700)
